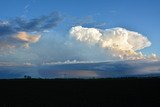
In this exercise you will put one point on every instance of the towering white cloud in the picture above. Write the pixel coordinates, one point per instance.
(89, 35)
(122, 43)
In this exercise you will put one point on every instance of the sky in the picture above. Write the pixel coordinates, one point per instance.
(42, 31)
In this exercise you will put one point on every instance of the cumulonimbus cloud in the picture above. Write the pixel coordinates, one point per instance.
(120, 42)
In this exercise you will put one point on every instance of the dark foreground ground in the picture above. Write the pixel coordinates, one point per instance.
(131, 92)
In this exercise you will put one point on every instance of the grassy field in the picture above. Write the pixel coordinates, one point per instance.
(126, 92)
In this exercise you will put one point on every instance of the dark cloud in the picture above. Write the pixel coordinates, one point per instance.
(17, 32)
(32, 25)
(5, 28)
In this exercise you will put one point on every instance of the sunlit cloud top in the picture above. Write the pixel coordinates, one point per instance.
(119, 42)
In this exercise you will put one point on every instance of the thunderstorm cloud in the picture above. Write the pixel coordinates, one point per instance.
(120, 42)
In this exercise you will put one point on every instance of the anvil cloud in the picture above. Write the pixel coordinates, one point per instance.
(120, 42)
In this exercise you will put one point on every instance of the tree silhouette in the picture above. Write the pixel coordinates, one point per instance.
(27, 77)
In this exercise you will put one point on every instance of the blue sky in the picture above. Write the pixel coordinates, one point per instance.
(136, 15)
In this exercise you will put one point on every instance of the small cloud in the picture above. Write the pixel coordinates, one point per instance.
(24, 37)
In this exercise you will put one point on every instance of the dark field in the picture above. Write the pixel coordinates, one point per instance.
(126, 92)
